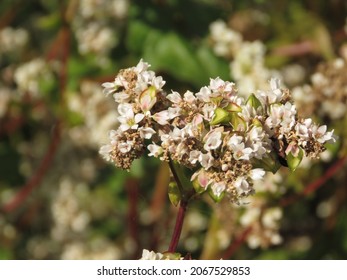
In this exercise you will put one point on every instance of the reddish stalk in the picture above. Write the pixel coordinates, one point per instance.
(235, 245)
(56, 52)
(178, 227)
(312, 187)
(22, 195)
(181, 211)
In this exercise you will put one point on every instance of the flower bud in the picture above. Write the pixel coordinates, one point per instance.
(268, 163)
(148, 98)
(174, 193)
(294, 161)
(233, 107)
(238, 122)
(253, 101)
(220, 116)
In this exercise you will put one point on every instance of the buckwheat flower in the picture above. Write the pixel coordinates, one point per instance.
(194, 156)
(155, 150)
(141, 66)
(242, 186)
(146, 132)
(293, 148)
(202, 178)
(105, 151)
(240, 152)
(163, 117)
(189, 97)
(128, 119)
(213, 139)
(234, 140)
(204, 94)
(218, 188)
(109, 88)
(303, 129)
(221, 88)
(125, 147)
(151, 255)
(276, 90)
(206, 160)
(174, 97)
(208, 111)
(257, 174)
(158, 82)
(321, 134)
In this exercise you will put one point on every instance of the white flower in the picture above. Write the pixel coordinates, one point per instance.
(155, 150)
(206, 160)
(174, 97)
(236, 145)
(271, 217)
(204, 94)
(121, 97)
(109, 88)
(141, 66)
(234, 141)
(218, 188)
(151, 255)
(146, 132)
(189, 97)
(201, 177)
(105, 151)
(158, 82)
(194, 156)
(321, 134)
(303, 129)
(125, 147)
(213, 139)
(256, 174)
(242, 185)
(127, 117)
(276, 89)
(164, 116)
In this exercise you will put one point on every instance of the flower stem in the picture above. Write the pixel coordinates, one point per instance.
(185, 196)
(178, 226)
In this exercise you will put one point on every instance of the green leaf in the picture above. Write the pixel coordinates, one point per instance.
(174, 193)
(172, 53)
(137, 34)
(293, 162)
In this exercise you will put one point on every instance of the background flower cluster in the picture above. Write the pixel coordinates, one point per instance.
(60, 200)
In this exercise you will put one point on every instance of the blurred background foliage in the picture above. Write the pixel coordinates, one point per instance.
(59, 200)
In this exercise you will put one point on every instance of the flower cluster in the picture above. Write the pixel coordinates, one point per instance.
(247, 59)
(327, 91)
(226, 141)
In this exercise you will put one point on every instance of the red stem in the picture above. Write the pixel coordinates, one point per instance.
(332, 170)
(237, 243)
(178, 227)
(38, 176)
